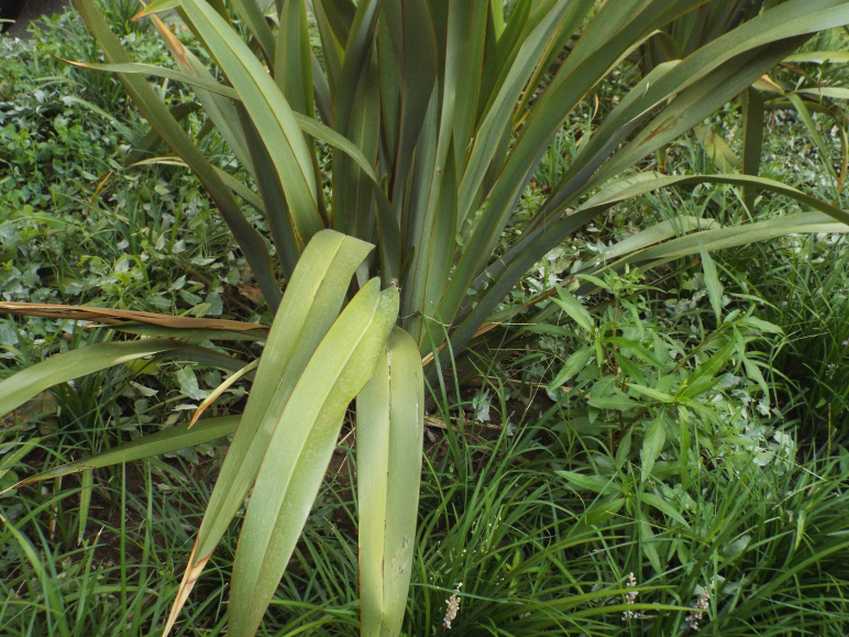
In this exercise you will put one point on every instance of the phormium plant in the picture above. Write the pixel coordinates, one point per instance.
(433, 116)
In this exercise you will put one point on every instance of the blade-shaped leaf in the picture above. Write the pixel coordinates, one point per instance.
(270, 112)
(29, 382)
(390, 425)
(653, 442)
(753, 134)
(712, 284)
(300, 449)
(166, 441)
(310, 304)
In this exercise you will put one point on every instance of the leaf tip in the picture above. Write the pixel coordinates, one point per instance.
(191, 575)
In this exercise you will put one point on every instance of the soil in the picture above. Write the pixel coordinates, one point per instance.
(25, 11)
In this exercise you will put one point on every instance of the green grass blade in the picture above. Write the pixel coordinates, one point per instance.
(54, 607)
(86, 485)
(300, 450)
(390, 422)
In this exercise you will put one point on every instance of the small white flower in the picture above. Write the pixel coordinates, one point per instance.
(452, 607)
(631, 598)
(695, 617)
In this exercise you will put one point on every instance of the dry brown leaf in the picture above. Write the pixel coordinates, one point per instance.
(107, 316)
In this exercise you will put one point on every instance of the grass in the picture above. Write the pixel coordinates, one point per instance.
(537, 503)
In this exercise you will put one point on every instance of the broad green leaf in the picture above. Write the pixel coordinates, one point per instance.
(754, 373)
(300, 449)
(189, 384)
(390, 422)
(60, 368)
(762, 325)
(583, 482)
(651, 392)
(665, 507)
(648, 544)
(574, 309)
(606, 395)
(311, 302)
(573, 365)
(703, 378)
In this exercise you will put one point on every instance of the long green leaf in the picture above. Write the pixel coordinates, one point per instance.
(300, 450)
(310, 304)
(390, 425)
(753, 133)
(29, 382)
(541, 241)
(292, 59)
(271, 114)
(723, 238)
(166, 441)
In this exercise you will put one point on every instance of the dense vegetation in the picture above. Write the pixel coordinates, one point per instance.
(655, 451)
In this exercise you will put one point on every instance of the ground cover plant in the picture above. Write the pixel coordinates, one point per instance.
(380, 137)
